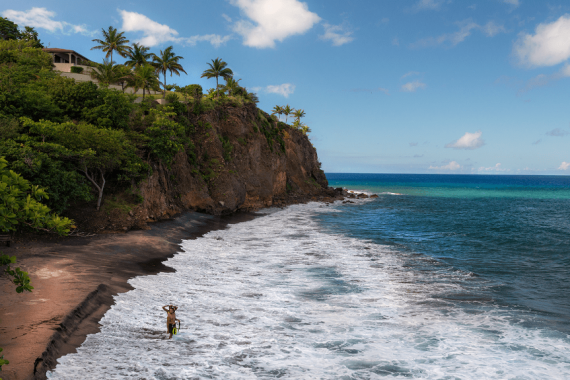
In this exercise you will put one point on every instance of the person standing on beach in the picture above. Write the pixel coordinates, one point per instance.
(170, 319)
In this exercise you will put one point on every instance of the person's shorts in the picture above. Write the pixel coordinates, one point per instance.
(171, 328)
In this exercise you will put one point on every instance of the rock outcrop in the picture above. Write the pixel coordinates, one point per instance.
(244, 160)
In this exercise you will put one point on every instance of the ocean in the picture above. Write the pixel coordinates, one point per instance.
(440, 277)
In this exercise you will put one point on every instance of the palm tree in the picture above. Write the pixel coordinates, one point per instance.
(298, 114)
(217, 69)
(277, 110)
(144, 77)
(106, 72)
(113, 41)
(232, 85)
(287, 111)
(167, 61)
(137, 56)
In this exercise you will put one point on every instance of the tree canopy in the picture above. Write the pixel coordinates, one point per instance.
(218, 68)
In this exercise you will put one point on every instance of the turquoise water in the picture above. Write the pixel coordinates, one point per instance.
(511, 232)
(458, 186)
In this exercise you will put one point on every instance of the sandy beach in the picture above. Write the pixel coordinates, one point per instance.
(74, 282)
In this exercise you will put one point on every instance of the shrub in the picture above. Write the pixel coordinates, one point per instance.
(76, 69)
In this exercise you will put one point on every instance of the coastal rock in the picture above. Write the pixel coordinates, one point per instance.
(254, 176)
(362, 196)
(374, 196)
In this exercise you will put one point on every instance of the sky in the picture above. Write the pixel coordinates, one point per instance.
(418, 86)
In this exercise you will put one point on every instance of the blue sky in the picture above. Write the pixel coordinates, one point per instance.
(422, 86)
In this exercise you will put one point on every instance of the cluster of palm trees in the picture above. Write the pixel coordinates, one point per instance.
(296, 113)
(141, 70)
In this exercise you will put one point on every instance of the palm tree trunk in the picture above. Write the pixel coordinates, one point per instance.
(217, 91)
(164, 84)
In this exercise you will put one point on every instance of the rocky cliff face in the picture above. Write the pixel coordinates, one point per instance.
(244, 160)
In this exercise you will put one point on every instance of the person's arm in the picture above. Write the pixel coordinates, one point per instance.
(175, 308)
(165, 308)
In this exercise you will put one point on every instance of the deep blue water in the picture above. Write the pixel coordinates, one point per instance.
(510, 234)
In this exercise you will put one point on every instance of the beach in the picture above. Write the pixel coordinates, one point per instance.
(74, 282)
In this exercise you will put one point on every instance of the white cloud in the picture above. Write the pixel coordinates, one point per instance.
(549, 45)
(215, 39)
(514, 3)
(453, 165)
(564, 165)
(557, 132)
(410, 74)
(465, 29)
(338, 34)
(496, 168)
(413, 86)
(155, 33)
(226, 17)
(272, 20)
(284, 89)
(468, 141)
(43, 19)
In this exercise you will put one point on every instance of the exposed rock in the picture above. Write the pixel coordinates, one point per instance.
(362, 196)
(374, 196)
(253, 177)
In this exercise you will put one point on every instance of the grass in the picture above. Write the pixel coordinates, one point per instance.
(114, 203)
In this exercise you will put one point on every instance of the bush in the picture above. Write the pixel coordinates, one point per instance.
(76, 69)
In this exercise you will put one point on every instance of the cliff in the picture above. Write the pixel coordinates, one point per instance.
(242, 160)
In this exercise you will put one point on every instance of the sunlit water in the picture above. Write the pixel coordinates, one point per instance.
(398, 287)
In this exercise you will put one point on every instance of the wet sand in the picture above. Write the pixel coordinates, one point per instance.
(74, 282)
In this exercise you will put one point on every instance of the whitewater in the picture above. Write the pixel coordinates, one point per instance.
(282, 297)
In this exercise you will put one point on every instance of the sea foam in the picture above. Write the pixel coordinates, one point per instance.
(278, 297)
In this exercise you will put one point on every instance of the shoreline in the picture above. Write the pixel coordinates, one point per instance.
(74, 281)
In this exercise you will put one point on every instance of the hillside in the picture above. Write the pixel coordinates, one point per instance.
(112, 164)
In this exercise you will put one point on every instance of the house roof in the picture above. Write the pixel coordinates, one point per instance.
(56, 50)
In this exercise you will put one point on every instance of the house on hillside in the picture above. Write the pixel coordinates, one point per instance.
(64, 59)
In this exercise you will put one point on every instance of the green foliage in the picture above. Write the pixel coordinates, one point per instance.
(20, 204)
(8, 30)
(167, 61)
(113, 109)
(49, 167)
(112, 41)
(25, 74)
(137, 56)
(144, 77)
(227, 148)
(242, 141)
(76, 69)
(17, 276)
(218, 68)
(167, 137)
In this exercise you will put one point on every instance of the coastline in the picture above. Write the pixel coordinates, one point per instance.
(74, 282)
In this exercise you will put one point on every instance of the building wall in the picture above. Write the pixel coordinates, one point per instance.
(87, 78)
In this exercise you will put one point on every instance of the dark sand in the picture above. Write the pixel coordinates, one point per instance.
(74, 282)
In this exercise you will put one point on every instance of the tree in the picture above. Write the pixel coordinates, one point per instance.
(298, 114)
(96, 151)
(287, 111)
(106, 72)
(144, 77)
(167, 61)
(137, 56)
(112, 41)
(232, 86)
(277, 110)
(20, 204)
(8, 30)
(218, 68)
(29, 34)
